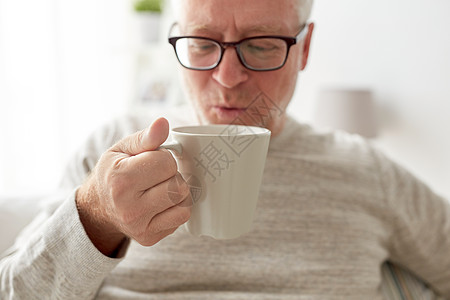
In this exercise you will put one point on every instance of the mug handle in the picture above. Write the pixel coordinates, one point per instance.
(172, 145)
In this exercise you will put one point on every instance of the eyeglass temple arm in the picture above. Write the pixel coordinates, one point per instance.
(171, 29)
(302, 34)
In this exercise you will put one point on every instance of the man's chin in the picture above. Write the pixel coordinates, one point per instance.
(239, 120)
(273, 124)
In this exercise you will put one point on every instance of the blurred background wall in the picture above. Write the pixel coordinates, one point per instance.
(400, 50)
(66, 67)
(64, 70)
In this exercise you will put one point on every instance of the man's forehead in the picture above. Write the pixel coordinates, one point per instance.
(250, 16)
(200, 27)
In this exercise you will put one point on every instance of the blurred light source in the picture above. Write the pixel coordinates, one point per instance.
(352, 110)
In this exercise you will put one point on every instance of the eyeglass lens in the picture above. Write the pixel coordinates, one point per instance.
(256, 53)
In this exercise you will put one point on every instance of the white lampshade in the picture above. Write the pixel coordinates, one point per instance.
(352, 110)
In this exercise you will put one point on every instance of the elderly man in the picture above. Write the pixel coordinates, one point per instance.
(332, 209)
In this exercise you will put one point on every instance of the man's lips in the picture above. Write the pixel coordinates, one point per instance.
(228, 113)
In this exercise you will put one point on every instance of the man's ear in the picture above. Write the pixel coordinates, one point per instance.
(306, 45)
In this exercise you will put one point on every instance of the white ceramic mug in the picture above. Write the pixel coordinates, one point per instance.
(223, 165)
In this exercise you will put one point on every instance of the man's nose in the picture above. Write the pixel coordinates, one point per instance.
(230, 72)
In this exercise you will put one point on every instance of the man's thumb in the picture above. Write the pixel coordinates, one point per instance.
(145, 140)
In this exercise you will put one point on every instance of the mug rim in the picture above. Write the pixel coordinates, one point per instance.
(220, 130)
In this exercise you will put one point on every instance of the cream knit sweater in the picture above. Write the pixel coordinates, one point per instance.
(332, 209)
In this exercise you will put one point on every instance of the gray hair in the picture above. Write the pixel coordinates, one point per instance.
(304, 9)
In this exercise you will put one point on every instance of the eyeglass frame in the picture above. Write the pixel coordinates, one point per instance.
(290, 41)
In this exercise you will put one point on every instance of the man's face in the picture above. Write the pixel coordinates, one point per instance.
(230, 93)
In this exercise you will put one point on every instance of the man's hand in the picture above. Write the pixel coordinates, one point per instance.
(126, 195)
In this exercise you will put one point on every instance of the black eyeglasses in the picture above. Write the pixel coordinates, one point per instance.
(259, 53)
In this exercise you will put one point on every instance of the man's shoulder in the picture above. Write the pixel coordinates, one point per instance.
(306, 138)
(303, 144)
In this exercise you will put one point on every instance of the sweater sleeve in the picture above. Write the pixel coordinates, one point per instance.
(56, 260)
(420, 222)
(53, 258)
